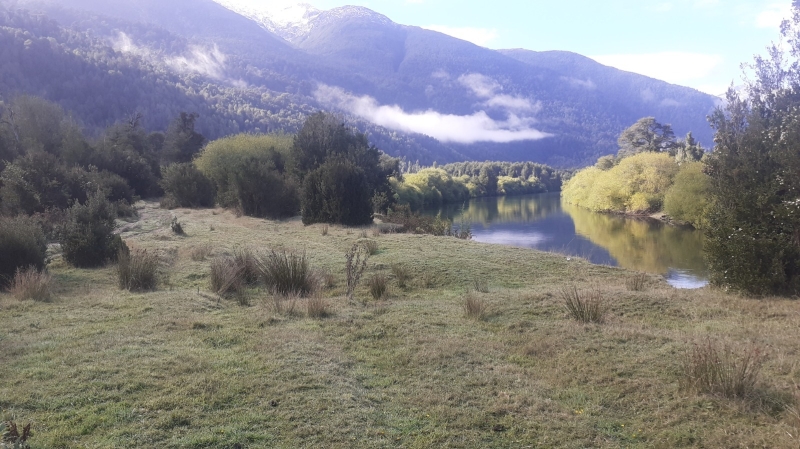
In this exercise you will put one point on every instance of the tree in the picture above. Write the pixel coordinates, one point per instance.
(332, 152)
(689, 150)
(181, 141)
(753, 230)
(646, 135)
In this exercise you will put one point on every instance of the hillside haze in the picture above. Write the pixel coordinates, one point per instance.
(417, 93)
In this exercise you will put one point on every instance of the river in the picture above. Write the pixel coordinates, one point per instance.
(543, 222)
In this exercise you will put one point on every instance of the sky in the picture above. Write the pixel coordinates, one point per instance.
(695, 43)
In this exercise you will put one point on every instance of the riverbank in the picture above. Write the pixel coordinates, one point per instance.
(178, 367)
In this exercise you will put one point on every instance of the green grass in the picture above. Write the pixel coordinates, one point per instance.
(180, 367)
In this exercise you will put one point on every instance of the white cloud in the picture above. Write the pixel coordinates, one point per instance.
(673, 67)
(478, 36)
(587, 84)
(464, 129)
(487, 88)
(774, 15)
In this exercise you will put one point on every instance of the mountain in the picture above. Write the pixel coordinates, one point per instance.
(417, 93)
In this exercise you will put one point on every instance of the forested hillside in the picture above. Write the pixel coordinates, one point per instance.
(102, 60)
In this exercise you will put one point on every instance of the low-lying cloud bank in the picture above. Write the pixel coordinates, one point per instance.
(447, 128)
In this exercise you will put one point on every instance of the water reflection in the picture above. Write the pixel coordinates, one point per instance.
(542, 222)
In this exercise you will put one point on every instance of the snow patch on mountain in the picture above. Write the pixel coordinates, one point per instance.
(293, 21)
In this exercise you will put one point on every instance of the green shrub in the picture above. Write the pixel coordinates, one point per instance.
(337, 192)
(137, 270)
(286, 273)
(87, 238)
(22, 244)
(39, 181)
(186, 186)
(263, 191)
(687, 199)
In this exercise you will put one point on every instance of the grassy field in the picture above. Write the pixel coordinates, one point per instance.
(99, 367)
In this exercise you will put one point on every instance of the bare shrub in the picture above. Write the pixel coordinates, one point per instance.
(378, 286)
(31, 283)
(714, 368)
(584, 306)
(636, 282)
(317, 307)
(137, 270)
(474, 307)
(200, 253)
(402, 275)
(356, 264)
(226, 276)
(286, 273)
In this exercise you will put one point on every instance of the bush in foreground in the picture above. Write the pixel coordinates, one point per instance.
(88, 238)
(186, 186)
(22, 244)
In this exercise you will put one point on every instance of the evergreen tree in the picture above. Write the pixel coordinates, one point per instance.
(181, 141)
(753, 231)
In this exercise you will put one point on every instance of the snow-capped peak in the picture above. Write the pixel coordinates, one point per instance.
(287, 20)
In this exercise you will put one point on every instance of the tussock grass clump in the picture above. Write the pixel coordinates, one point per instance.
(286, 273)
(474, 307)
(378, 286)
(200, 253)
(376, 231)
(285, 305)
(362, 234)
(317, 307)
(246, 259)
(481, 286)
(324, 230)
(226, 276)
(636, 282)
(714, 368)
(31, 283)
(137, 270)
(584, 306)
(371, 246)
(402, 275)
(428, 280)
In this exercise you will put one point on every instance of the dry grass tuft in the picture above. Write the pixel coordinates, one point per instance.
(137, 270)
(286, 273)
(427, 280)
(31, 284)
(714, 368)
(246, 259)
(402, 275)
(474, 307)
(371, 246)
(481, 286)
(636, 283)
(376, 231)
(585, 306)
(226, 276)
(317, 307)
(378, 286)
(324, 230)
(362, 234)
(285, 305)
(354, 268)
(200, 253)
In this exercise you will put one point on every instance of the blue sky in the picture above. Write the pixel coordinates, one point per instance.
(696, 43)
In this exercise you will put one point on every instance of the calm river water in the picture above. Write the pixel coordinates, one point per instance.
(544, 223)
